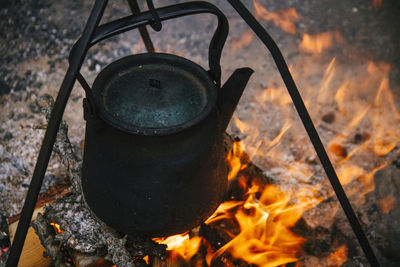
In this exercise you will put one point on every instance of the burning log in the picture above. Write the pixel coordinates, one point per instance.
(32, 253)
(44, 231)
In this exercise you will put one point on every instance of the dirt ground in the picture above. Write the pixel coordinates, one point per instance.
(36, 37)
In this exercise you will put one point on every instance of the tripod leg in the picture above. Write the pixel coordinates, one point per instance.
(51, 132)
(143, 30)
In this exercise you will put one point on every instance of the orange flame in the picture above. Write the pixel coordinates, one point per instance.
(316, 43)
(285, 18)
(244, 40)
(57, 227)
(387, 135)
(265, 238)
(320, 42)
(234, 158)
(181, 245)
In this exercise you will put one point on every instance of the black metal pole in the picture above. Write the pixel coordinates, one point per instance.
(308, 125)
(142, 29)
(51, 132)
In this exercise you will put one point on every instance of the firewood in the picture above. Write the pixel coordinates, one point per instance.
(32, 253)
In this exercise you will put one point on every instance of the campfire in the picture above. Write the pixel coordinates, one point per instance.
(279, 209)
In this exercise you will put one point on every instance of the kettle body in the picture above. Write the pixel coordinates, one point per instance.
(154, 185)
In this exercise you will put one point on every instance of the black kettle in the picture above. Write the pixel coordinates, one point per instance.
(154, 160)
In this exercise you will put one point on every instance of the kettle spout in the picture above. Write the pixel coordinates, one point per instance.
(230, 93)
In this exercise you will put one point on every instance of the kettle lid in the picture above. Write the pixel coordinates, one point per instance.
(153, 93)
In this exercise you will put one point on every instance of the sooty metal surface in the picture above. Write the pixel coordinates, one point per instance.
(153, 91)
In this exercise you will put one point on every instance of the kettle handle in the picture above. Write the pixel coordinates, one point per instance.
(217, 43)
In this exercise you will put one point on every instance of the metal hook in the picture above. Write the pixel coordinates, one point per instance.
(156, 22)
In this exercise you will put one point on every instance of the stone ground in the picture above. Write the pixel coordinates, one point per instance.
(36, 37)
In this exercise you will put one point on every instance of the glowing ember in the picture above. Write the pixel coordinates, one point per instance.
(146, 259)
(181, 245)
(387, 204)
(57, 227)
(338, 150)
(377, 4)
(285, 19)
(338, 257)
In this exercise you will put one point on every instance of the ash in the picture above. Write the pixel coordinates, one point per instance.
(80, 231)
